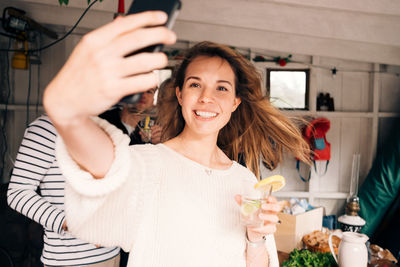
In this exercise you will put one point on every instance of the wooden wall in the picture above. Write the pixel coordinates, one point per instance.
(367, 102)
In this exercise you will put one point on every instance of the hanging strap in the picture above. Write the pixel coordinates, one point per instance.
(309, 173)
(326, 168)
(298, 170)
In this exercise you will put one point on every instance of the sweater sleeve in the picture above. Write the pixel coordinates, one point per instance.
(33, 161)
(97, 210)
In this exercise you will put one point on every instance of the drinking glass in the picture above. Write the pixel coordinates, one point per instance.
(145, 127)
(250, 208)
(146, 134)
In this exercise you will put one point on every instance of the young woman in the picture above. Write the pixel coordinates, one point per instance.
(171, 204)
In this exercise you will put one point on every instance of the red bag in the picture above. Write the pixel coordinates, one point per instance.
(315, 135)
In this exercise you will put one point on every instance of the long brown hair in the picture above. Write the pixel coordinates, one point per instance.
(256, 129)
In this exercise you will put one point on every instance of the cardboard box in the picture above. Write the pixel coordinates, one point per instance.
(293, 227)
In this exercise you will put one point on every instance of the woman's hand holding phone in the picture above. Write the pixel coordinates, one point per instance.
(98, 73)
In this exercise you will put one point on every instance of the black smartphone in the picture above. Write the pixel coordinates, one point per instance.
(171, 7)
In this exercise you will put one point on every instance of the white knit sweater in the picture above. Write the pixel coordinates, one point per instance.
(164, 208)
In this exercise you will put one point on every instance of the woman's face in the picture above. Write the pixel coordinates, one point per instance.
(146, 100)
(208, 95)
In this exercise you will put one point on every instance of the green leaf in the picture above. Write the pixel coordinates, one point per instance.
(306, 258)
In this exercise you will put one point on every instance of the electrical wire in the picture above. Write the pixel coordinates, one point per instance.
(5, 111)
(58, 40)
(247, 50)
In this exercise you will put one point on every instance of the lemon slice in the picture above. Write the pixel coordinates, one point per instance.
(249, 208)
(276, 181)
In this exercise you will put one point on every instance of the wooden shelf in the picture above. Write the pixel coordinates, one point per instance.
(330, 114)
(388, 115)
(341, 114)
(306, 194)
(20, 107)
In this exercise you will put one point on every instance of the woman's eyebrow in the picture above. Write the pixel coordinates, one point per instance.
(219, 81)
(193, 77)
(225, 81)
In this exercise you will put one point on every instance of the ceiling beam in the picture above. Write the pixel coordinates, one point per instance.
(299, 20)
(381, 7)
(289, 43)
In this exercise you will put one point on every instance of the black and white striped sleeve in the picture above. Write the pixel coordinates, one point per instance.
(34, 160)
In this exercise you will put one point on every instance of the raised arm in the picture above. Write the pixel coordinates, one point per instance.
(96, 76)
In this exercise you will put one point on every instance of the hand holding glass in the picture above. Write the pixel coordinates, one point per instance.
(145, 129)
(250, 207)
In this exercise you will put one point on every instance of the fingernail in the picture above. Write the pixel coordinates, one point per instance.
(163, 16)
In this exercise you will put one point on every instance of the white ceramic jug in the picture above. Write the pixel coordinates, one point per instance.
(352, 249)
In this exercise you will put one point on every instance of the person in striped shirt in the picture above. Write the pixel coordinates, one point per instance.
(36, 168)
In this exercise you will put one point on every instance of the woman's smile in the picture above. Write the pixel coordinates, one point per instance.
(205, 114)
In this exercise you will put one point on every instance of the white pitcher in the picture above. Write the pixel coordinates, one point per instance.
(352, 249)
